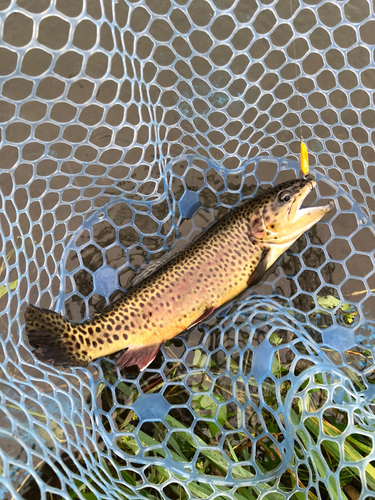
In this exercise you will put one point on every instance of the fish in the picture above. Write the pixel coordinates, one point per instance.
(231, 255)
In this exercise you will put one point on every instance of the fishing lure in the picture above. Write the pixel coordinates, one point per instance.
(304, 161)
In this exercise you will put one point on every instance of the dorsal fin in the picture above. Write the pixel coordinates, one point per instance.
(147, 271)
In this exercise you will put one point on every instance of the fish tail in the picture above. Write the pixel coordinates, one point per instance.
(54, 338)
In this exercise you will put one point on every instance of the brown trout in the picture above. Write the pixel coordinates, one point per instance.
(231, 255)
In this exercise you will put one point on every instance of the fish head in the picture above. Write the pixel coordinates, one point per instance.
(278, 218)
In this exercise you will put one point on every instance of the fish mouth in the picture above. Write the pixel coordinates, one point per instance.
(310, 215)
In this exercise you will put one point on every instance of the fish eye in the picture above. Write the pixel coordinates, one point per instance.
(285, 196)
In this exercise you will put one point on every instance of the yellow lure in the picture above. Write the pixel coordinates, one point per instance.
(304, 159)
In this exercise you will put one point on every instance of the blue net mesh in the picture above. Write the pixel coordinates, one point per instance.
(126, 128)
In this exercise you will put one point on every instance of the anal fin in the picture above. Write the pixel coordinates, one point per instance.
(140, 356)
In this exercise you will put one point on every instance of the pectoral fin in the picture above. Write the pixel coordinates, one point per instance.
(140, 356)
(260, 270)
